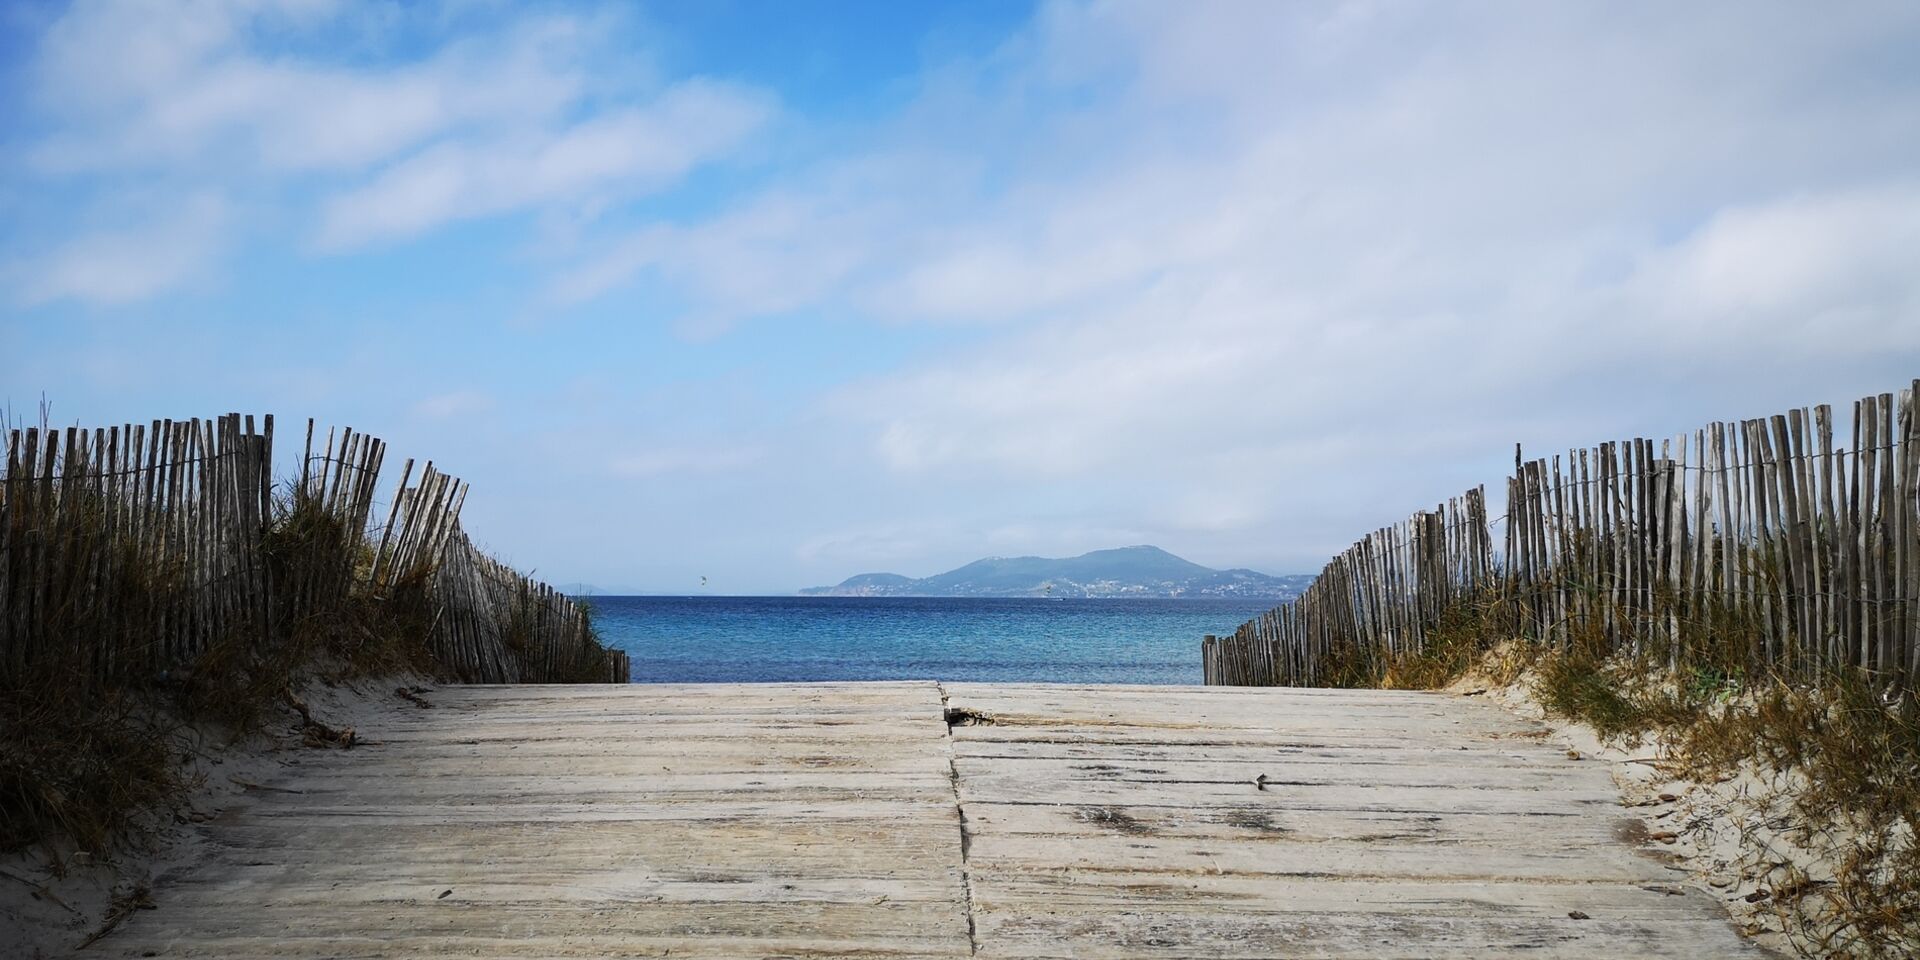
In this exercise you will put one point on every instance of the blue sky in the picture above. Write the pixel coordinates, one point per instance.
(776, 293)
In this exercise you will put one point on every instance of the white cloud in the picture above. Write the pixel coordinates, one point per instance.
(142, 86)
(1265, 275)
(1798, 260)
(1211, 224)
(664, 460)
(380, 123)
(1242, 279)
(776, 252)
(458, 403)
(158, 252)
(638, 148)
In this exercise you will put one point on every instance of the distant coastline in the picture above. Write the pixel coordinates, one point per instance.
(1137, 572)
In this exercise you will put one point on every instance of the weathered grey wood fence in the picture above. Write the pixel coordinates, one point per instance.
(1805, 550)
(132, 549)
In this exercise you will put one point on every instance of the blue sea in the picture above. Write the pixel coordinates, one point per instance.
(765, 639)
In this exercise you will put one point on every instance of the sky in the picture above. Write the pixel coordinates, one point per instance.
(775, 293)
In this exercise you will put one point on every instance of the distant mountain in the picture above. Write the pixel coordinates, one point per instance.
(1141, 571)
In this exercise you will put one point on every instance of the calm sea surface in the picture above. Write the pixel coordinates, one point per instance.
(740, 639)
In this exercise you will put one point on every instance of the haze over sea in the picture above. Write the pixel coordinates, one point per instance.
(774, 639)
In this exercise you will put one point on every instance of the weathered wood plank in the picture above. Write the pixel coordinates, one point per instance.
(1300, 824)
(851, 820)
(1102, 933)
(794, 821)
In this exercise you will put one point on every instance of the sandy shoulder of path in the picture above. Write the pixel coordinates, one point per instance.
(47, 912)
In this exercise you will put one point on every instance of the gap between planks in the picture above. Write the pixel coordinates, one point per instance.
(960, 819)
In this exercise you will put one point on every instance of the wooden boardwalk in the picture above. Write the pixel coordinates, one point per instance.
(920, 820)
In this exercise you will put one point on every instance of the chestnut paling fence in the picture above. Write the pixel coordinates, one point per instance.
(1804, 545)
(138, 548)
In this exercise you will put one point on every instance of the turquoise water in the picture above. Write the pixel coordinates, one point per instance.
(747, 639)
